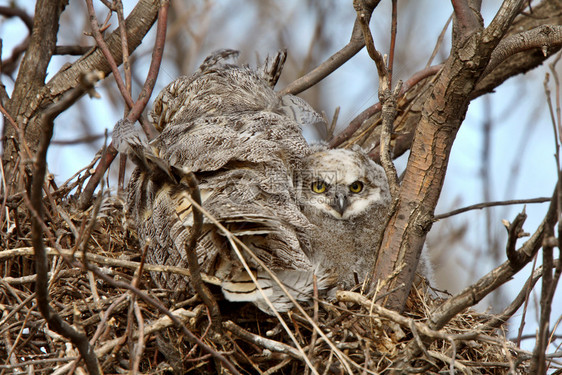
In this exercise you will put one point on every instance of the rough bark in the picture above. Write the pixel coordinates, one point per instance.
(441, 116)
(33, 69)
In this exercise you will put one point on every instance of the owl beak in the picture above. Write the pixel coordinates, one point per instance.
(339, 203)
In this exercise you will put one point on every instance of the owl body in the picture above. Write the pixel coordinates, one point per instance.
(242, 141)
(345, 196)
(219, 89)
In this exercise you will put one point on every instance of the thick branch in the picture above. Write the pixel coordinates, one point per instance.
(33, 68)
(441, 117)
(545, 37)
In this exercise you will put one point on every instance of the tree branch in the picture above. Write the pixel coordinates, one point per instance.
(137, 108)
(54, 321)
(33, 68)
(498, 276)
(356, 43)
(441, 117)
(479, 206)
(497, 321)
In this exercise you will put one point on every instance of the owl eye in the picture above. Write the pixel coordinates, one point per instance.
(356, 187)
(318, 187)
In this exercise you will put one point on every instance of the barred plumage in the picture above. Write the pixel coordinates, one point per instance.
(241, 140)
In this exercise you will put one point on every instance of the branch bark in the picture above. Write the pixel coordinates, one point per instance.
(33, 70)
(441, 118)
(517, 53)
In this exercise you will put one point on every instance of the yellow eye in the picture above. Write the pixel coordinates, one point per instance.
(356, 187)
(318, 187)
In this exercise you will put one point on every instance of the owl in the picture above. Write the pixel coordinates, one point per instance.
(345, 196)
(244, 144)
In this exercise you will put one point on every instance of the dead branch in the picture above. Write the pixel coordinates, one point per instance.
(480, 206)
(498, 276)
(263, 342)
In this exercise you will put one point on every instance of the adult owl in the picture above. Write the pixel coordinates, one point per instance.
(345, 196)
(244, 144)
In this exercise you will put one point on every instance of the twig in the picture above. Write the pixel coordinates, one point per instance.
(388, 115)
(538, 363)
(363, 17)
(263, 342)
(72, 50)
(479, 206)
(139, 347)
(525, 306)
(192, 260)
(53, 319)
(515, 231)
(439, 41)
(96, 33)
(498, 320)
(333, 62)
(387, 99)
(77, 141)
(393, 30)
(137, 107)
(14, 11)
(314, 335)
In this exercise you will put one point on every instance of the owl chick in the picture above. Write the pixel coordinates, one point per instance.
(345, 196)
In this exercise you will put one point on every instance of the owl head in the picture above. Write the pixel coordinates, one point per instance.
(343, 184)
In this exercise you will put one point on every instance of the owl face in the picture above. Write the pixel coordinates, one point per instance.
(343, 184)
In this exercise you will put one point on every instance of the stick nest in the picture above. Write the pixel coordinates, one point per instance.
(130, 334)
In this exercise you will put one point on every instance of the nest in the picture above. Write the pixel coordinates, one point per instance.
(132, 333)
